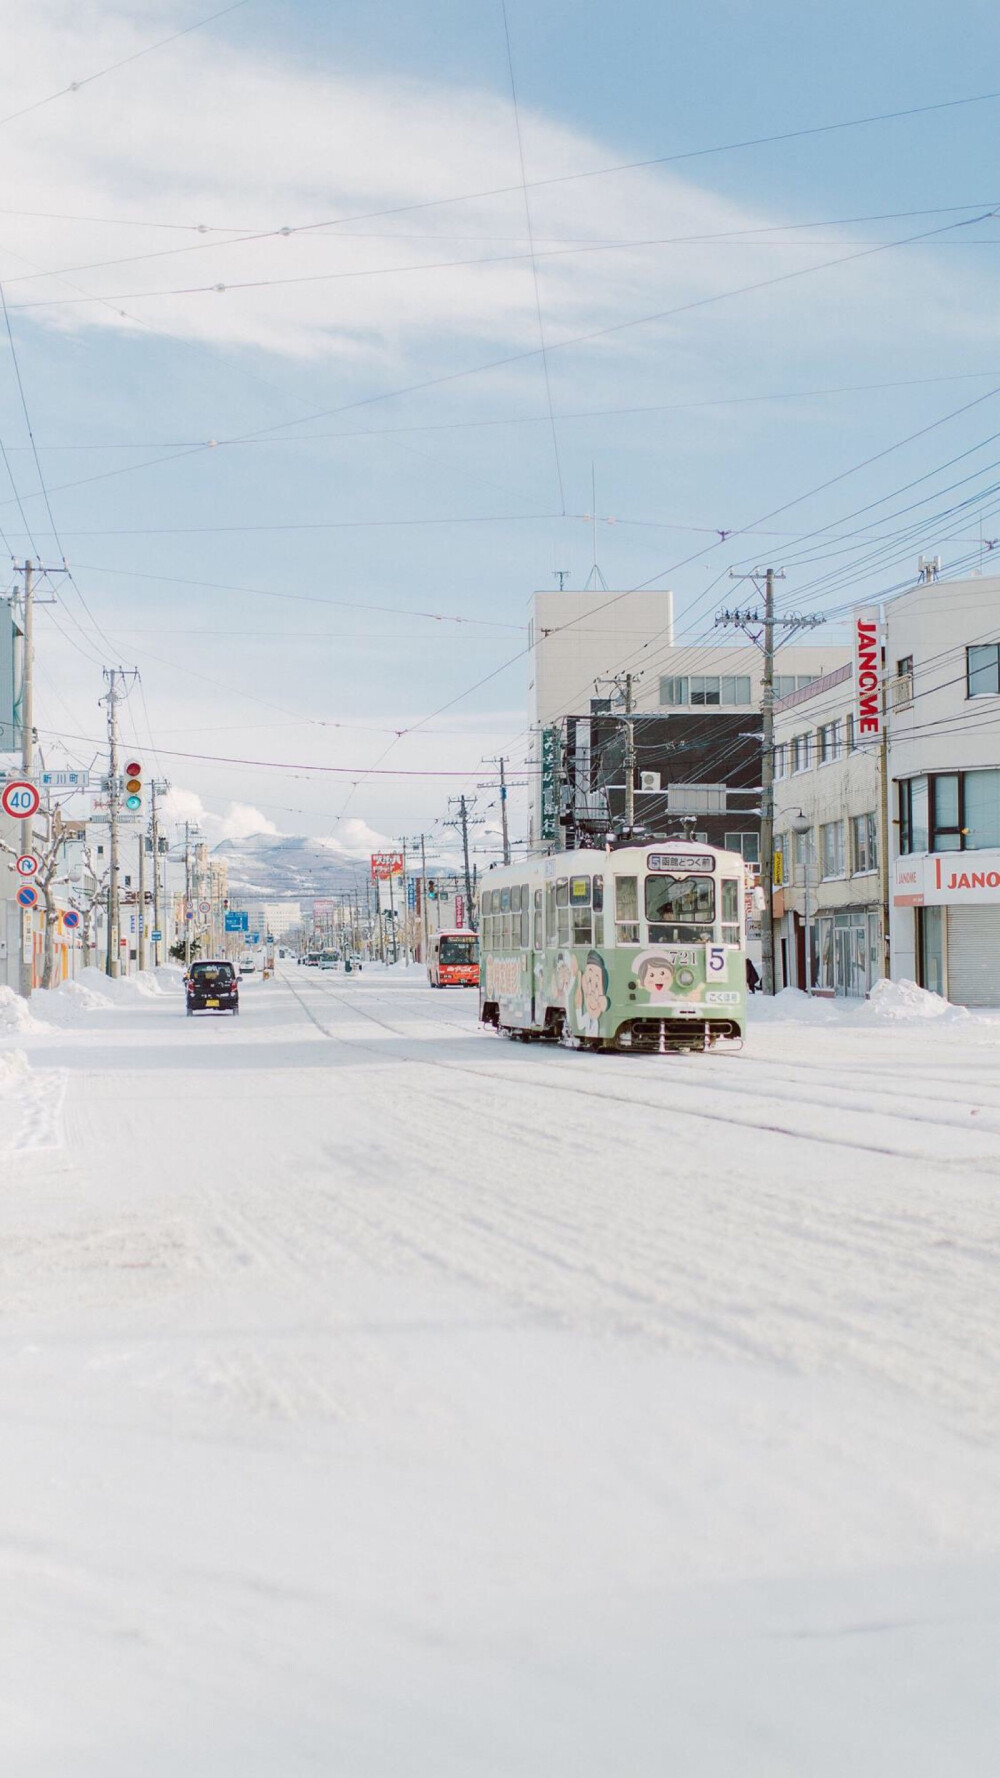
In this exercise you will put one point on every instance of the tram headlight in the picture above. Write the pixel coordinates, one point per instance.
(684, 977)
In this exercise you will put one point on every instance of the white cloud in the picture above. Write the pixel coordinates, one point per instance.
(261, 145)
(355, 839)
(240, 821)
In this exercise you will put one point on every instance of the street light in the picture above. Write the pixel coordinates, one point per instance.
(802, 825)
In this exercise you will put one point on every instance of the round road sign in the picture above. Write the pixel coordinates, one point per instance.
(71, 920)
(19, 799)
(27, 895)
(204, 907)
(26, 865)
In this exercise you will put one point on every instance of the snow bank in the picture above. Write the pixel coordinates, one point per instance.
(16, 1014)
(897, 1003)
(13, 1068)
(63, 1005)
(904, 1000)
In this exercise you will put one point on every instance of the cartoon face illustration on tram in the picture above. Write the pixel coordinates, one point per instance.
(592, 995)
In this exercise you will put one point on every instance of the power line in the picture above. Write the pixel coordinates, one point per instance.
(124, 62)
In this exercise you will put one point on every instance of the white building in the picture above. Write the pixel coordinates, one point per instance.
(577, 638)
(829, 924)
(943, 694)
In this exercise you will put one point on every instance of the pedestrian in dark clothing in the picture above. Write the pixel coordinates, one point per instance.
(753, 978)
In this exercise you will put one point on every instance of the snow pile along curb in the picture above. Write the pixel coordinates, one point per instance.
(16, 1014)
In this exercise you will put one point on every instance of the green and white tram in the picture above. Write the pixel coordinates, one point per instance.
(640, 948)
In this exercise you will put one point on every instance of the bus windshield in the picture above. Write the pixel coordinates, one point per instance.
(460, 950)
(680, 910)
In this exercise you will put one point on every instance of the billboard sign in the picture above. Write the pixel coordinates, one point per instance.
(386, 865)
(550, 783)
(237, 921)
(868, 674)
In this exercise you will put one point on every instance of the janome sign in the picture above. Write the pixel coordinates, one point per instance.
(946, 879)
(868, 673)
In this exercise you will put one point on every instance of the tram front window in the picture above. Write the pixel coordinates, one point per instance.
(680, 910)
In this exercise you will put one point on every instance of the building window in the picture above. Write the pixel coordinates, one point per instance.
(913, 833)
(831, 848)
(982, 670)
(803, 855)
(830, 742)
(981, 821)
(705, 689)
(800, 753)
(946, 825)
(951, 812)
(696, 799)
(736, 688)
(780, 760)
(901, 688)
(747, 844)
(786, 683)
(864, 843)
(852, 739)
(730, 688)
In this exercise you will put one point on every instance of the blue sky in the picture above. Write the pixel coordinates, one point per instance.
(353, 503)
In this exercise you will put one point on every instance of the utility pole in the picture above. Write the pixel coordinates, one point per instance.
(464, 820)
(187, 895)
(141, 931)
(505, 834)
(154, 790)
(113, 954)
(760, 629)
(624, 688)
(27, 762)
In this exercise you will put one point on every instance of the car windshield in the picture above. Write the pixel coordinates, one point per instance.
(212, 972)
(460, 950)
(680, 909)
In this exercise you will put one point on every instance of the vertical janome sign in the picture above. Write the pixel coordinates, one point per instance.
(868, 674)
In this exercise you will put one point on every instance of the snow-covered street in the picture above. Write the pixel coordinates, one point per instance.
(383, 1398)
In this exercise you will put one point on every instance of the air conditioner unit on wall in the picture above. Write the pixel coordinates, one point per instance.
(649, 781)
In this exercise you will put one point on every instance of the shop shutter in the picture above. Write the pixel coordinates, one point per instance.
(974, 956)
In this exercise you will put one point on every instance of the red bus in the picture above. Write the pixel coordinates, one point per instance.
(453, 960)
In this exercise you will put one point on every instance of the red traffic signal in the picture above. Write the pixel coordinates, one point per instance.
(133, 769)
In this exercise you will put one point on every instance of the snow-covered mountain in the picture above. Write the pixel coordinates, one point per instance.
(275, 867)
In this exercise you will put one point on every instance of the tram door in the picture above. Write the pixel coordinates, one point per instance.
(536, 954)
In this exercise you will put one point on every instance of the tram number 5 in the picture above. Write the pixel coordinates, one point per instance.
(716, 959)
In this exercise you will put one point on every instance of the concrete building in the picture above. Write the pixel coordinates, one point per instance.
(697, 727)
(943, 693)
(829, 883)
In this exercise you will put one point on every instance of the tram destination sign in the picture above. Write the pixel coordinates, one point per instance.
(674, 861)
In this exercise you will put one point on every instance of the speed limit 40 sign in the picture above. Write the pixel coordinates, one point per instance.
(19, 799)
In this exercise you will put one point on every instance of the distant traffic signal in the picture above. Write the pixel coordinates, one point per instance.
(133, 785)
(431, 889)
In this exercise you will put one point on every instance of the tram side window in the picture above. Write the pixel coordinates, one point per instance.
(538, 940)
(515, 898)
(627, 910)
(503, 933)
(525, 917)
(730, 911)
(550, 913)
(579, 897)
(598, 901)
(562, 910)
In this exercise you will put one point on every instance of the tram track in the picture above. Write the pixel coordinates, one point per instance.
(985, 1163)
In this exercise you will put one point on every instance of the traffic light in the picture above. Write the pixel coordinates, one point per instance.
(431, 889)
(133, 785)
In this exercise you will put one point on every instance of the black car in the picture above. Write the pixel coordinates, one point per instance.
(212, 987)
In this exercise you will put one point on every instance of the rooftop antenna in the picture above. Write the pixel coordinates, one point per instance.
(561, 575)
(595, 577)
